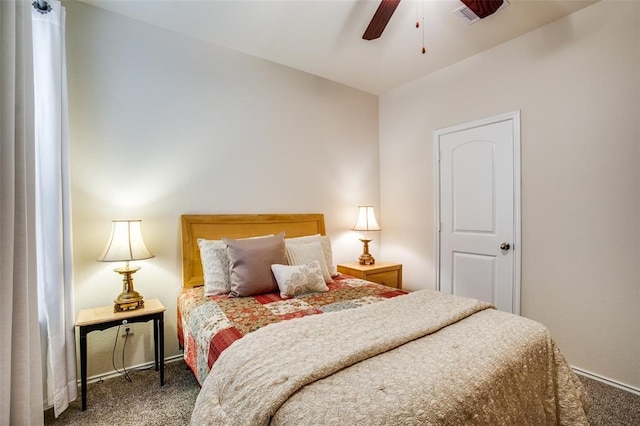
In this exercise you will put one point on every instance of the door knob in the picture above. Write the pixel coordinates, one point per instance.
(505, 246)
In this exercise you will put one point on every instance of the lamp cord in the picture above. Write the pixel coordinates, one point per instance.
(124, 371)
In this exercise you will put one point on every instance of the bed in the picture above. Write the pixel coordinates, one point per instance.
(357, 352)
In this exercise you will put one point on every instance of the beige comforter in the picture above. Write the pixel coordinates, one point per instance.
(423, 358)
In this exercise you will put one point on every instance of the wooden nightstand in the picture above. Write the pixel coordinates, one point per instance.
(386, 273)
(102, 318)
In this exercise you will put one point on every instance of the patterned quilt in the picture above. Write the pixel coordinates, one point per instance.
(209, 325)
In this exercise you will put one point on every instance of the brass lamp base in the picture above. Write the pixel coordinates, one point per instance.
(129, 299)
(366, 258)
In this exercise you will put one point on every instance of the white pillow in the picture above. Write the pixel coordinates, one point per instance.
(299, 279)
(326, 249)
(215, 266)
(303, 254)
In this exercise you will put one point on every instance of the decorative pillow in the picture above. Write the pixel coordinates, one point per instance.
(215, 266)
(250, 263)
(303, 254)
(299, 279)
(326, 249)
(328, 255)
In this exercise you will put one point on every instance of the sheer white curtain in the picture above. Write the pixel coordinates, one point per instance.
(20, 363)
(53, 207)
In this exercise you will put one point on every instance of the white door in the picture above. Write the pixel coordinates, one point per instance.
(478, 210)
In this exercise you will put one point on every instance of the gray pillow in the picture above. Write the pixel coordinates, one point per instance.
(250, 263)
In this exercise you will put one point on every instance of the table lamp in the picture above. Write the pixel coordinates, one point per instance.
(366, 221)
(126, 244)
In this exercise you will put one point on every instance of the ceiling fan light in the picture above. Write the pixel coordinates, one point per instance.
(483, 8)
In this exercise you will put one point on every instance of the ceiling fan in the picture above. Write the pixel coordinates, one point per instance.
(482, 8)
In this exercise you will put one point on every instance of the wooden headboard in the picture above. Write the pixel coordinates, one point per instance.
(217, 226)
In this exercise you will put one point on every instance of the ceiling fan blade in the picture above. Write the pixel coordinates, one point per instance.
(380, 19)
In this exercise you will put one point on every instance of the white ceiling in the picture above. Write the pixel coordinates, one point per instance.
(324, 37)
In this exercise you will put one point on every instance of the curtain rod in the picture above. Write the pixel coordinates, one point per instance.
(41, 6)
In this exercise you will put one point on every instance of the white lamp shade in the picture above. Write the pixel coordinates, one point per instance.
(125, 243)
(366, 220)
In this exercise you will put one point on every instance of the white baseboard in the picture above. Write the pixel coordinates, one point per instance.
(607, 381)
(113, 373)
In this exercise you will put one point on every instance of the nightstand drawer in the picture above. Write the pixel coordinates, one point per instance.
(389, 278)
(385, 273)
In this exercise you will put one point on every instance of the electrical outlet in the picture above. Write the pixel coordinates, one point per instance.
(127, 330)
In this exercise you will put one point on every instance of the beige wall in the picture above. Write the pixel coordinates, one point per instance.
(163, 125)
(576, 82)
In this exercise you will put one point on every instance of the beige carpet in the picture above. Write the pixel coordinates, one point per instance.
(139, 402)
(611, 406)
(143, 402)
